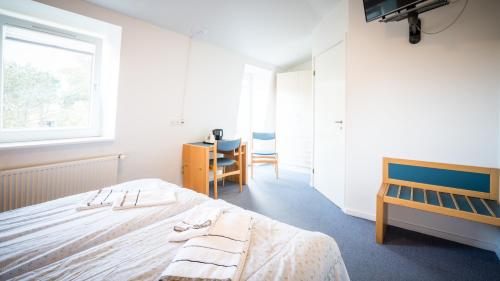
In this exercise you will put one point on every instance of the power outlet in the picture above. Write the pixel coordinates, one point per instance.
(177, 122)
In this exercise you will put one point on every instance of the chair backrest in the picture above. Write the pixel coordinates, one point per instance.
(264, 136)
(228, 145)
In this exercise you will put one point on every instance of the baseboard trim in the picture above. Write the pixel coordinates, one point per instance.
(358, 214)
(430, 231)
(445, 235)
(293, 168)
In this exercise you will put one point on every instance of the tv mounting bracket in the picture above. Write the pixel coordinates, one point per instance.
(415, 25)
(411, 13)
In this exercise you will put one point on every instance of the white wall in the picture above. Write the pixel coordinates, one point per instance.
(498, 165)
(435, 101)
(331, 29)
(214, 85)
(307, 65)
(152, 72)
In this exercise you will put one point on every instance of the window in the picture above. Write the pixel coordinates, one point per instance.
(244, 125)
(49, 83)
(256, 108)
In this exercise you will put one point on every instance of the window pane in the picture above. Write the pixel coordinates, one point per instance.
(47, 81)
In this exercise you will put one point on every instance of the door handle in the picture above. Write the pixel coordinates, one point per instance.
(340, 123)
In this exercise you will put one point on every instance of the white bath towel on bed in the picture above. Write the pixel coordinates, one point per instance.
(144, 198)
(99, 198)
(219, 255)
(198, 223)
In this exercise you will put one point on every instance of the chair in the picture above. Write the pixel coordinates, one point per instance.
(231, 149)
(264, 156)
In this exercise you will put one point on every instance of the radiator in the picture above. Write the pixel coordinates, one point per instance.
(31, 185)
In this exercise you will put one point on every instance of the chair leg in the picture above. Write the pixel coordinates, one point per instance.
(251, 164)
(223, 178)
(276, 166)
(241, 181)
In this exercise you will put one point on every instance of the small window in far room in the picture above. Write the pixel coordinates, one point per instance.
(256, 107)
(49, 87)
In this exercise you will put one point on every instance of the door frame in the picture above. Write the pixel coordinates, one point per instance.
(314, 56)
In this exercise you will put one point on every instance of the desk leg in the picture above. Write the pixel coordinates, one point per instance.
(216, 180)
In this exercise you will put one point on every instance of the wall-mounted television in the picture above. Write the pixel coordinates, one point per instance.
(396, 10)
(375, 9)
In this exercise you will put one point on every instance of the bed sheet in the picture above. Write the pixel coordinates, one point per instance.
(277, 252)
(35, 236)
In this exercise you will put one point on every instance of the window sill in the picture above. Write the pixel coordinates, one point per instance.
(44, 143)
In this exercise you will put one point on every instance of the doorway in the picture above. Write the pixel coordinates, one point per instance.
(294, 120)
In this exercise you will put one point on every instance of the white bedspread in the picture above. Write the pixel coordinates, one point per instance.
(52, 241)
(38, 235)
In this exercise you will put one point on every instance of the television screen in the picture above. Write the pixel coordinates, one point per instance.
(375, 9)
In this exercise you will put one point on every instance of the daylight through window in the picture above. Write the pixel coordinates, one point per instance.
(49, 85)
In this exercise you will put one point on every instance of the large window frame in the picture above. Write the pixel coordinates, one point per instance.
(95, 125)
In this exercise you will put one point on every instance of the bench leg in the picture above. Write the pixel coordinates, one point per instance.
(381, 222)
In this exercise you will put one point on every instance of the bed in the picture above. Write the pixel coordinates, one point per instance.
(54, 241)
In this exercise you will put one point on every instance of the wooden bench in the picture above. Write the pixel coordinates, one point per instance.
(465, 192)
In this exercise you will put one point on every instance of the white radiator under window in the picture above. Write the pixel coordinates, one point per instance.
(31, 185)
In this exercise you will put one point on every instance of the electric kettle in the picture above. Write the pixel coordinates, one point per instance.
(218, 134)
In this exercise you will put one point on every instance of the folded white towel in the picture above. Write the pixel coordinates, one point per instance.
(144, 198)
(219, 255)
(99, 198)
(199, 222)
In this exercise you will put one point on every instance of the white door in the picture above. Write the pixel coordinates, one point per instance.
(329, 121)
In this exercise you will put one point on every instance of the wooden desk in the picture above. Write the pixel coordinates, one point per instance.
(195, 166)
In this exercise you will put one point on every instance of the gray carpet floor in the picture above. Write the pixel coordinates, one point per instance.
(406, 255)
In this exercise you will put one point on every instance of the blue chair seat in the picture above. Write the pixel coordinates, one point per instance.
(223, 162)
(265, 153)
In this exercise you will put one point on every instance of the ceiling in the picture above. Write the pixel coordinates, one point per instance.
(277, 32)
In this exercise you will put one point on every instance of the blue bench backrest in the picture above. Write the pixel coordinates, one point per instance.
(458, 179)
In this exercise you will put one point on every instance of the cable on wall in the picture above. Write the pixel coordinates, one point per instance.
(199, 32)
(451, 24)
(186, 78)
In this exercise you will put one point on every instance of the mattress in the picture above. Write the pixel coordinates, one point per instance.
(53, 241)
